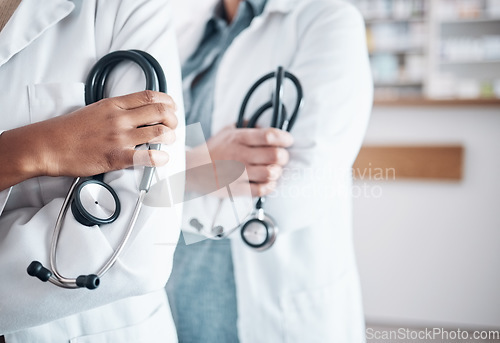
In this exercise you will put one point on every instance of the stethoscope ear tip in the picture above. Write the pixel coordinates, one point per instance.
(90, 281)
(36, 269)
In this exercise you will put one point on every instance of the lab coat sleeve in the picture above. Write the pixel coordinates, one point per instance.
(144, 266)
(333, 67)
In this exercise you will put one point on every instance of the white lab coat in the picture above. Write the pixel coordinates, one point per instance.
(46, 51)
(305, 288)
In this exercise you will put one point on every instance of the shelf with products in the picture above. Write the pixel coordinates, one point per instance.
(478, 43)
(396, 36)
(398, 75)
(398, 51)
(470, 20)
(400, 83)
(426, 102)
(397, 9)
(466, 50)
(467, 10)
(439, 49)
(462, 62)
(385, 20)
(396, 33)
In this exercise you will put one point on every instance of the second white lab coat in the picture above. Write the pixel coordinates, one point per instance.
(46, 50)
(305, 288)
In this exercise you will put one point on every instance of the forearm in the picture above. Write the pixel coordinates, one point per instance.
(107, 133)
(19, 157)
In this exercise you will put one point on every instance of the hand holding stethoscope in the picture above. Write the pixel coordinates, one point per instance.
(259, 230)
(92, 201)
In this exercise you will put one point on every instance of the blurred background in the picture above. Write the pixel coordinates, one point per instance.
(427, 180)
(427, 189)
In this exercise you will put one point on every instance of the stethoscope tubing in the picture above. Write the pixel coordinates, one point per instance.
(56, 278)
(277, 100)
(94, 91)
(279, 120)
(96, 80)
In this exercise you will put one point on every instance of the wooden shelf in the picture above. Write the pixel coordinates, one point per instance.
(437, 103)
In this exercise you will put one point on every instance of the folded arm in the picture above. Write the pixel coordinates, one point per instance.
(26, 231)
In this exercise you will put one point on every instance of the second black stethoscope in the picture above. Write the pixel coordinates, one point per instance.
(259, 230)
(92, 201)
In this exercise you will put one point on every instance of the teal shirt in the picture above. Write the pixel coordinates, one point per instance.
(201, 288)
(200, 70)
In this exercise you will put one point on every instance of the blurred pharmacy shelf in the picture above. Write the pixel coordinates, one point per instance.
(470, 62)
(426, 102)
(433, 49)
(470, 20)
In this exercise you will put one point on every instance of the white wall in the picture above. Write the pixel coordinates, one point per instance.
(429, 252)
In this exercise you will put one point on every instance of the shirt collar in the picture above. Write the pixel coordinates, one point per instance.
(256, 5)
(217, 21)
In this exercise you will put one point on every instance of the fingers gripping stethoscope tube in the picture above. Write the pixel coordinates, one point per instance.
(260, 230)
(93, 202)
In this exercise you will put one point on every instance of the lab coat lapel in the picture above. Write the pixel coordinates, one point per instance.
(283, 6)
(28, 22)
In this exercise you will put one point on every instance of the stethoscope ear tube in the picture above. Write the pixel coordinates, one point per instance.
(279, 110)
(300, 100)
(98, 75)
(278, 98)
(241, 115)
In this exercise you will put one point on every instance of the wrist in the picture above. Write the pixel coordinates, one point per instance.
(22, 150)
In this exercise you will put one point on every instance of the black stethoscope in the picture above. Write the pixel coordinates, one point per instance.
(259, 230)
(92, 201)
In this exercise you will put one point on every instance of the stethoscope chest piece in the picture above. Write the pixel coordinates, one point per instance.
(95, 203)
(259, 232)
